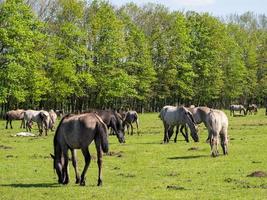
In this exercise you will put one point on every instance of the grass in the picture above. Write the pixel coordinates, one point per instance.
(143, 168)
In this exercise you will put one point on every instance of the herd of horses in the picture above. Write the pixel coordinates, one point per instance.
(251, 108)
(78, 131)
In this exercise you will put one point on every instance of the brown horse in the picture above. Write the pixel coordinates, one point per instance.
(15, 115)
(113, 120)
(252, 108)
(78, 132)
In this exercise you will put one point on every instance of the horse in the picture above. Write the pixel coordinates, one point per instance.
(252, 108)
(53, 117)
(239, 108)
(176, 116)
(131, 117)
(41, 117)
(15, 115)
(199, 115)
(217, 122)
(78, 132)
(113, 120)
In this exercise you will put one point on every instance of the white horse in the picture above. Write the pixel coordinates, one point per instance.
(53, 120)
(41, 117)
(239, 108)
(176, 116)
(200, 116)
(217, 125)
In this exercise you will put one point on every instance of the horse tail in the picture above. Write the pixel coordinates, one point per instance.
(212, 121)
(162, 113)
(102, 130)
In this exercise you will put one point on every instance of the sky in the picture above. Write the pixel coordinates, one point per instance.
(214, 7)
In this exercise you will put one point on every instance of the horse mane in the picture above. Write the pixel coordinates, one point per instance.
(191, 117)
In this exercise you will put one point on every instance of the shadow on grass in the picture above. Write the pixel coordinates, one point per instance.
(30, 185)
(188, 157)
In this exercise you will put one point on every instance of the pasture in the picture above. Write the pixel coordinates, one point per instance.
(142, 168)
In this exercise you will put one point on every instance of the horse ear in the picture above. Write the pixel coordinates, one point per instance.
(52, 156)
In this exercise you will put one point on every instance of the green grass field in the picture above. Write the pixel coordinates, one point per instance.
(143, 168)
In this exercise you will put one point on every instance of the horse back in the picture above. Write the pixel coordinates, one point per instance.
(78, 131)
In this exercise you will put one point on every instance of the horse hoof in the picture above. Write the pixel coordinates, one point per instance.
(99, 183)
(77, 181)
(82, 183)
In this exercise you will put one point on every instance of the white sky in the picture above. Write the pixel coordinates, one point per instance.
(215, 7)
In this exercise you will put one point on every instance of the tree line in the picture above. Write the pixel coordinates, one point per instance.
(75, 55)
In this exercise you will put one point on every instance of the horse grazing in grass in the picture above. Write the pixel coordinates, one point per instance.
(239, 108)
(200, 116)
(217, 126)
(113, 120)
(78, 132)
(130, 118)
(15, 115)
(41, 117)
(176, 116)
(252, 108)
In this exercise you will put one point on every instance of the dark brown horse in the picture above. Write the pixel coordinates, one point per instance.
(113, 120)
(15, 115)
(78, 132)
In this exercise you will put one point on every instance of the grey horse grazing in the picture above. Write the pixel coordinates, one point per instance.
(41, 117)
(130, 118)
(217, 126)
(200, 116)
(239, 108)
(15, 115)
(53, 117)
(176, 116)
(78, 132)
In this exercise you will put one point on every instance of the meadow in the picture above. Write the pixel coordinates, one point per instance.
(143, 167)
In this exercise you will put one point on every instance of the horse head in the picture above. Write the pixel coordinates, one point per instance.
(192, 125)
(117, 125)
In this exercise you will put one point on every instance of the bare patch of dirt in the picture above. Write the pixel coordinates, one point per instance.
(127, 175)
(257, 174)
(256, 162)
(193, 149)
(5, 147)
(244, 184)
(173, 174)
(175, 187)
(117, 154)
(11, 156)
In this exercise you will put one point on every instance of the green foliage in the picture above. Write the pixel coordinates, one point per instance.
(91, 54)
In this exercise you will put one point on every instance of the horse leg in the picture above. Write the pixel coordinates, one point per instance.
(74, 164)
(224, 141)
(186, 132)
(65, 168)
(176, 133)
(165, 132)
(10, 122)
(99, 160)
(214, 145)
(137, 124)
(6, 124)
(87, 159)
(40, 128)
(131, 128)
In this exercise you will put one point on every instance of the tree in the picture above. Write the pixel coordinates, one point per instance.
(21, 55)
